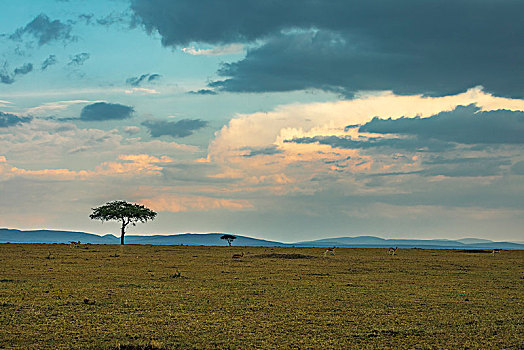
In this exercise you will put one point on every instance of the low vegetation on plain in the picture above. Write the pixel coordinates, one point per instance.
(163, 297)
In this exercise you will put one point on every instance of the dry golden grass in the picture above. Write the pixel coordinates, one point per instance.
(138, 297)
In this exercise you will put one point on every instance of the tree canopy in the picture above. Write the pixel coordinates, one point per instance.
(126, 213)
(228, 238)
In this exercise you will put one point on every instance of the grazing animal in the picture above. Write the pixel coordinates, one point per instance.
(329, 250)
(238, 256)
(496, 251)
(73, 244)
(392, 251)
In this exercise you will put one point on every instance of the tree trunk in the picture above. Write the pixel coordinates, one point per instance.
(123, 232)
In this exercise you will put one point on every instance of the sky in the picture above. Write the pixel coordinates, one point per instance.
(285, 120)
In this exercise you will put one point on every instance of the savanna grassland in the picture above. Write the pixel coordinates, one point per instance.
(138, 297)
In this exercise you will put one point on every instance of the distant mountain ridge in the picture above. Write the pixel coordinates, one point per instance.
(213, 239)
(50, 236)
(377, 242)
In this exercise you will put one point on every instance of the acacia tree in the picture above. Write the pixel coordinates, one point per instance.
(228, 238)
(127, 213)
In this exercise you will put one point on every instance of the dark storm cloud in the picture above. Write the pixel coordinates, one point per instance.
(136, 81)
(410, 46)
(413, 144)
(44, 30)
(51, 60)
(79, 59)
(22, 70)
(181, 128)
(307, 60)
(8, 119)
(181, 22)
(101, 111)
(465, 124)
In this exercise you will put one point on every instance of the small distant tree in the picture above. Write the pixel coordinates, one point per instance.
(126, 213)
(228, 238)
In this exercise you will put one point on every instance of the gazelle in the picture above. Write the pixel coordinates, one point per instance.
(74, 244)
(329, 250)
(392, 251)
(238, 256)
(496, 251)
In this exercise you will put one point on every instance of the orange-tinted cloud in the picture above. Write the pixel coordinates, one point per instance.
(126, 165)
(133, 164)
(174, 203)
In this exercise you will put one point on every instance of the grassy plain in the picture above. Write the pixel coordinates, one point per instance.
(101, 296)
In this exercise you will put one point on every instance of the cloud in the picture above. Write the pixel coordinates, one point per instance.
(153, 77)
(9, 78)
(203, 92)
(348, 46)
(231, 49)
(270, 150)
(53, 107)
(177, 203)
(132, 165)
(412, 145)
(44, 30)
(86, 17)
(116, 18)
(22, 70)
(123, 20)
(518, 168)
(219, 22)
(310, 148)
(101, 111)
(181, 128)
(137, 81)
(5, 78)
(46, 143)
(8, 119)
(49, 61)
(465, 124)
(132, 130)
(4, 103)
(250, 165)
(141, 91)
(457, 167)
(79, 59)
(466, 167)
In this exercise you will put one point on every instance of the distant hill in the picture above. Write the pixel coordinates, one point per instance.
(473, 240)
(376, 242)
(213, 239)
(49, 236)
(200, 239)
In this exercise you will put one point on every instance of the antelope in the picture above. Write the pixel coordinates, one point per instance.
(392, 251)
(496, 251)
(74, 244)
(238, 256)
(329, 250)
